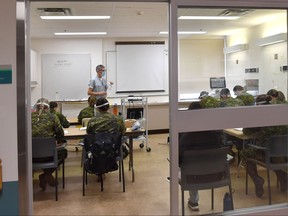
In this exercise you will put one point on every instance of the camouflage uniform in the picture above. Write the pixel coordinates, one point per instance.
(64, 122)
(87, 112)
(106, 122)
(262, 134)
(209, 102)
(48, 125)
(231, 102)
(247, 99)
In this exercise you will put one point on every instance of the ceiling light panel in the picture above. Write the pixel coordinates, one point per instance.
(74, 17)
(208, 17)
(79, 33)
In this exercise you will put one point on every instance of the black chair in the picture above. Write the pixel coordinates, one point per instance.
(102, 151)
(205, 169)
(45, 147)
(276, 148)
(81, 142)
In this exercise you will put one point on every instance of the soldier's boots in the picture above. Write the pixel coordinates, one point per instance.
(50, 179)
(258, 180)
(42, 181)
(282, 178)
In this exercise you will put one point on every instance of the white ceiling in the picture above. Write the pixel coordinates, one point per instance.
(137, 20)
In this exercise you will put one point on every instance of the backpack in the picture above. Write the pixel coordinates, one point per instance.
(102, 150)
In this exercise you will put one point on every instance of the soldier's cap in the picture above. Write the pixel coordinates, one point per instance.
(102, 105)
(203, 94)
(101, 102)
(43, 101)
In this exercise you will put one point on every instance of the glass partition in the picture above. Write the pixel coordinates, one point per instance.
(227, 53)
(234, 61)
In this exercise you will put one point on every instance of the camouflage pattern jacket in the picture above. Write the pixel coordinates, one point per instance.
(46, 125)
(63, 120)
(105, 122)
(87, 112)
(247, 99)
(231, 102)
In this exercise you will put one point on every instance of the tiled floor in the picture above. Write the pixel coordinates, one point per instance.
(148, 195)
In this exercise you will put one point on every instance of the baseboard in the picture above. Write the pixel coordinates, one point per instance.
(158, 131)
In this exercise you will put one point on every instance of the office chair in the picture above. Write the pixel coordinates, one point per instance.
(276, 150)
(102, 152)
(205, 169)
(45, 147)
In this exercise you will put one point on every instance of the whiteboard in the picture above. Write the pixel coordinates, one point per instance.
(140, 68)
(67, 74)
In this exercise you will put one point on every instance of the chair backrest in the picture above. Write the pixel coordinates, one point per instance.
(43, 147)
(102, 150)
(85, 122)
(278, 146)
(277, 149)
(205, 167)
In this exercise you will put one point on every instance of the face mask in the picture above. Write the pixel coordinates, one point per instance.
(103, 73)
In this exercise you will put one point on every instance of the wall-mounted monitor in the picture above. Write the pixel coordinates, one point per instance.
(217, 82)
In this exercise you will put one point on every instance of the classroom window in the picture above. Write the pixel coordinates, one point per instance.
(246, 47)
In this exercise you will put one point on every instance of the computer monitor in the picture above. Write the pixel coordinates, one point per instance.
(135, 112)
(217, 82)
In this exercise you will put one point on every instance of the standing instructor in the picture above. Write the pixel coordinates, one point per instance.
(98, 86)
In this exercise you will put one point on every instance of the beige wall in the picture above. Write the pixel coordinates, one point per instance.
(198, 61)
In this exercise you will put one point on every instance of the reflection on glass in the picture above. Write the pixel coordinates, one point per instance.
(234, 51)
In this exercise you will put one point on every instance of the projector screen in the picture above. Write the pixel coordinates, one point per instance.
(140, 67)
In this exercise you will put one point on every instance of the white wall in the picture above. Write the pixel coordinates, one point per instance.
(269, 74)
(8, 107)
(199, 60)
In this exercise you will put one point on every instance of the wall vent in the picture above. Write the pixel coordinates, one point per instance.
(235, 12)
(55, 11)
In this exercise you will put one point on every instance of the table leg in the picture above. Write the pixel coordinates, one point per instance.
(131, 158)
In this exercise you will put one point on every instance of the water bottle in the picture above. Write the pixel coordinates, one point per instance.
(115, 109)
(227, 202)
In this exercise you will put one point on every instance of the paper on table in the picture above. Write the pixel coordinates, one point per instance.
(82, 128)
(239, 129)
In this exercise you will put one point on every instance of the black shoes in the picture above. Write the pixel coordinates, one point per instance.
(42, 182)
(193, 206)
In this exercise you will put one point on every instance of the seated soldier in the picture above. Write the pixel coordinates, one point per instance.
(87, 112)
(263, 134)
(46, 124)
(240, 93)
(63, 120)
(197, 140)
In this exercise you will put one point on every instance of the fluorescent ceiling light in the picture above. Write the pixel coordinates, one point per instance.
(74, 17)
(80, 33)
(236, 48)
(278, 38)
(208, 17)
(186, 32)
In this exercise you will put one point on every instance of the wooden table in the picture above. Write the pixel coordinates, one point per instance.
(76, 133)
(73, 120)
(235, 132)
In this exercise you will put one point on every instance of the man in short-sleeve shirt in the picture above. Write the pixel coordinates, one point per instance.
(98, 86)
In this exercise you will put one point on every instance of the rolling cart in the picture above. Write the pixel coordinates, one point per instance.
(137, 108)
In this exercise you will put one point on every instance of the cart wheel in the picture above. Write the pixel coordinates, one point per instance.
(141, 145)
(148, 149)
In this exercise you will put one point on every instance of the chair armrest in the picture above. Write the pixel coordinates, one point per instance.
(256, 147)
